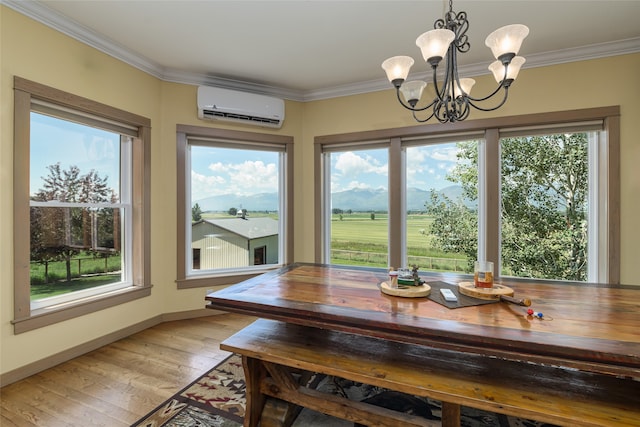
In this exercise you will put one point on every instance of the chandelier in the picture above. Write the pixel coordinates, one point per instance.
(452, 101)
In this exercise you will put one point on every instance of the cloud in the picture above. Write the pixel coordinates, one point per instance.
(427, 166)
(444, 153)
(205, 185)
(248, 177)
(351, 164)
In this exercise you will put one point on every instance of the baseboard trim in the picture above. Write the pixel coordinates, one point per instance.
(66, 355)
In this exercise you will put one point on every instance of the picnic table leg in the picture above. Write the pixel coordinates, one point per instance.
(450, 415)
(253, 373)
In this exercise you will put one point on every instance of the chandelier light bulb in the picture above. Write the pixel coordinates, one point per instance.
(412, 91)
(507, 39)
(397, 68)
(513, 69)
(464, 88)
(434, 44)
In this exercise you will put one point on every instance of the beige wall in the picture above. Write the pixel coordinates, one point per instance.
(35, 52)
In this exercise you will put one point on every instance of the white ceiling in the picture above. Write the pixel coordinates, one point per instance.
(312, 49)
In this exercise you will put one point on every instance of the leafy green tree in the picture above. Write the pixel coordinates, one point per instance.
(543, 201)
(58, 234)
(455, 228)
(233, 211)
(196, 213)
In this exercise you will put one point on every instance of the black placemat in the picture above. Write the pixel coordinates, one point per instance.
(463, 300)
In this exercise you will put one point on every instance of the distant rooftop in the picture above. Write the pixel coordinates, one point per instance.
(250, 228)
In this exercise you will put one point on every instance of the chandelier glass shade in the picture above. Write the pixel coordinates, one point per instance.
(452, 101)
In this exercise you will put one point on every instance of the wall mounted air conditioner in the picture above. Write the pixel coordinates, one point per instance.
(230, 105)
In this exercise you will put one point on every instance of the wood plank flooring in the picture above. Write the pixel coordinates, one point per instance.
(121, 382)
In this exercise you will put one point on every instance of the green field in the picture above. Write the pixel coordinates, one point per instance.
(359, 233)
(353, 235)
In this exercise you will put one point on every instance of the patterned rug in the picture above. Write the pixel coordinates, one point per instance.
(217, 399)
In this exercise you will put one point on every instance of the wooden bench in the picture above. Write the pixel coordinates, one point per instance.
(275, 352)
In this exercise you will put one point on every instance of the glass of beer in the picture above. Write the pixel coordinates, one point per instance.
(483, 274)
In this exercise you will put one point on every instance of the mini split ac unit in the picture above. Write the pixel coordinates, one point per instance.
(230, 105)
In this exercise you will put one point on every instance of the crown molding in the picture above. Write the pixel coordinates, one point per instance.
(43, 14)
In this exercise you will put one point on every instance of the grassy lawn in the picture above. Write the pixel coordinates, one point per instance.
(357, 232)
(87, 272)
(78, 284)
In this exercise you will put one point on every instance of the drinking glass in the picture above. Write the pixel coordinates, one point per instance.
(483, 274)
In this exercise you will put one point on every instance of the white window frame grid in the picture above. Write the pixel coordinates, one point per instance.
(126, 230)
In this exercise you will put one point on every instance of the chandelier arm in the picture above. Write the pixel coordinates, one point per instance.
(422, 120)
(408, 106)
(439, 94)
(491, 95)
(504, 99)
(466, 110)
(442, 115)
(503, 83)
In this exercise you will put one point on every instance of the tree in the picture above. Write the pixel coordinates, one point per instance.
(233, 211)
(196, 213)
(543, 198)
(57, 234)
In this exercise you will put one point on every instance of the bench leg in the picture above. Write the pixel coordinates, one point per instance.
(450, 415)
(253, 374)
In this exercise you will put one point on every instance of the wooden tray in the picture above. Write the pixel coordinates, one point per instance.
(494, 293)
(406, 291)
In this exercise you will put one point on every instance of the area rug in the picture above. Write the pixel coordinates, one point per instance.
(217, 399)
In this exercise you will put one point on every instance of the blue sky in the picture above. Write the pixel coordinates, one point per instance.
(217, 170)
(54, 140)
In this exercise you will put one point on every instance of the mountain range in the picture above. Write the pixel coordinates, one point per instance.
(358, 200)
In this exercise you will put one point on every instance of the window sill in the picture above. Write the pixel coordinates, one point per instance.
(47, 316)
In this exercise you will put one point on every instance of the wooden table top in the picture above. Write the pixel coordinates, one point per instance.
(587, 327)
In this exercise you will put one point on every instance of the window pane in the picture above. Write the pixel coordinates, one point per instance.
(74, 238)
(360, 207)
(235, 207)
(68, 157)
(442, 206)
(544, 194)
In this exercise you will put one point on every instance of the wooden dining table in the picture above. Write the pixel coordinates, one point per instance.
(591, 328)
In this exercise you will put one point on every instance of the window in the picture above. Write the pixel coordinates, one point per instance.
(359, 225)
(234, 209)
(547, 228)
(441, 214)
(79, 242)
(526, 192)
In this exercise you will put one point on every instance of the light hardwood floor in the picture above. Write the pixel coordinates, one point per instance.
(121, 382)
